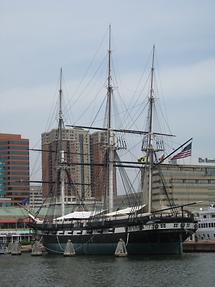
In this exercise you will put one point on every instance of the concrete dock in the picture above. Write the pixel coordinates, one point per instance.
(199, 246)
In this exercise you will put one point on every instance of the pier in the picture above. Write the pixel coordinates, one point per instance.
(199, 246)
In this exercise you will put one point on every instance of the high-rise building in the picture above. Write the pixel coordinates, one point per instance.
(76, 147)
(98, 146)
(36, 199)
(99, 167)
(2, 172)
(184, 184)
(14, 168)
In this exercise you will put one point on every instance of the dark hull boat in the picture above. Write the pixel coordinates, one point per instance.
(141, 228)
(141, 236)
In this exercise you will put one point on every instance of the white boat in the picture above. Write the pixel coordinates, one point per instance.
(206, 224)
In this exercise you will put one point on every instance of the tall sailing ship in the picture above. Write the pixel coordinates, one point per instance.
(143, 229)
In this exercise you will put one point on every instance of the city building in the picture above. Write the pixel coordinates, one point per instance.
(85, 155)
(36, 197)
(184, 184)
(14, 168)
(2, 172)
(5, 202)
(98, 144)
(14, 225)
(76, 145)
(99, 171)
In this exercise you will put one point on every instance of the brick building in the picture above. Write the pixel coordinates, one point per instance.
(14, 168)
(75, 143)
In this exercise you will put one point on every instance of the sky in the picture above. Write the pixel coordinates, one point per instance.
(38, 37)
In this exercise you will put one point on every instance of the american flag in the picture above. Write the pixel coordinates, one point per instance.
(184, 153)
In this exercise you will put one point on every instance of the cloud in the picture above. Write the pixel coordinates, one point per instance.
(186, 81)
(38, 37)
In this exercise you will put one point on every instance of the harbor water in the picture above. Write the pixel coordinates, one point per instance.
(189, 269)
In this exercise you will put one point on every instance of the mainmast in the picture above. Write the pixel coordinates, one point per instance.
(110, 136)
(61, 162)
(150, 150)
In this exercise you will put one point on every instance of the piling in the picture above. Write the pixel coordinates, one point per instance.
(15, 248)
(121, 250)
(9, 248)
(69, 249)
(37, 249)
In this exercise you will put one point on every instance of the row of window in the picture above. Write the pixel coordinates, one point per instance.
(210, 171)
(208, 216)
(192, 181)
(24, 167)
(21, 142)
(181, 225)
(17, 162)
(24, 152)
(14, 147)
(206, 225)
(22, 173)
(11, 178)
(20, 189)
(18, 194)
(205, 236)
(12, 225)
(17, 185)
(16, 158)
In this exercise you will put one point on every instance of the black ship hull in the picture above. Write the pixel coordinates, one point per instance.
(165, 237)
(168, 244)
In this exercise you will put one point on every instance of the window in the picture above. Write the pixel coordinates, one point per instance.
(210, 171)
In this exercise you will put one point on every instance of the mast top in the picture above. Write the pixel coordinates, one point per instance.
(60, 114)
(152, 74)
(109, 37)
(109, 87)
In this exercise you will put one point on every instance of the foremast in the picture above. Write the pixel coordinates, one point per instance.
(61, 156)
(149, 148)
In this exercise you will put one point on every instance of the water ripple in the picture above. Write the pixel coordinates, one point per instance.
(99, 271)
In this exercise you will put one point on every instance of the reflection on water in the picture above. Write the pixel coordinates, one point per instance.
(105, 271)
